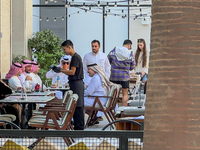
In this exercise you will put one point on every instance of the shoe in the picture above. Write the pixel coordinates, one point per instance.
(100, 119)
(97, 122)
(93, 121)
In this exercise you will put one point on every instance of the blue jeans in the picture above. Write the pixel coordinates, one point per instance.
(143, 79)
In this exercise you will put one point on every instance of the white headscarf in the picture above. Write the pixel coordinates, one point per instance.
(66, 58)
(105, 82)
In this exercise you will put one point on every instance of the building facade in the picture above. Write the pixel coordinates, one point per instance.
(15, 29)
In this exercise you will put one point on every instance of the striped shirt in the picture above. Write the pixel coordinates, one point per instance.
(120, 70)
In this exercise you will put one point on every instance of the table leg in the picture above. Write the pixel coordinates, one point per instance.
(24, 124)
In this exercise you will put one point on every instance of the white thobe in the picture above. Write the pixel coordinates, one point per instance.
(95, 88)
(36, 79)
(53, 75)
(14, 83)
(23, 76)
(101, 59)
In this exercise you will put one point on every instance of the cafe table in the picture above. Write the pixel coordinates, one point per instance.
(58, 88)
(29, 99)
(45, 93)
(62, 89)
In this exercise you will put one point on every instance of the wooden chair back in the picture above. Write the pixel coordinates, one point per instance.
(70, 105)
(111, 96)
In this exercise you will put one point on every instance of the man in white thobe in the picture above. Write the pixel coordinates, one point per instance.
(35, 78)
(64, 63)
(95, 57)
(99, 86)
(26, 70)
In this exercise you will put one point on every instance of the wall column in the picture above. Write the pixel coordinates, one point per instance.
(5, 36)
(22, 14)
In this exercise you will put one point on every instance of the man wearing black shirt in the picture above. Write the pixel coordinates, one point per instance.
(75, 77)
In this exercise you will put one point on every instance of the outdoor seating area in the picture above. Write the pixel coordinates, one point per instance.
(62, 88)
(99, 75)
(57, 115)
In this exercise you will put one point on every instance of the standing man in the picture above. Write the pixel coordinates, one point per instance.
(122, 62)
(95, 57)
(75, 77)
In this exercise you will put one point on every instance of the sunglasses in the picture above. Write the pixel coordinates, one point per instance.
(66, 63)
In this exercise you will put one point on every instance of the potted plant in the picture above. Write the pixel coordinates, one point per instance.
(46, 49)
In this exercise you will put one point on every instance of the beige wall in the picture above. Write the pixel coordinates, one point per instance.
(5, 40)
(21, 26)
(16, 29)
(138, 30)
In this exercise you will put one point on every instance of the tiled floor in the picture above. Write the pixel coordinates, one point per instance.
(97, 127)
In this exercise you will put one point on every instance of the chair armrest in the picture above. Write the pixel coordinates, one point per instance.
(55, 104)
(51, 107)
(55, 110)
(99, 96)
(54, 100)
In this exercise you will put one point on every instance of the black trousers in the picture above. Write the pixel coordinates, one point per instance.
(79, 118)
(78, 88)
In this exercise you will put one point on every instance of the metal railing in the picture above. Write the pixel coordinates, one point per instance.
(92, 139)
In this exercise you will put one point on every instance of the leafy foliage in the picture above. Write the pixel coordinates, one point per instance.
(46, 48)
(18, 59)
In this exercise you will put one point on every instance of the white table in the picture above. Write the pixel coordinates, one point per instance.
(29, 100)
(45, 93)
(58, 89)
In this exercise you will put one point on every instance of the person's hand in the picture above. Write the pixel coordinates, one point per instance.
(143, 73)
(28, 78)
(56, 69)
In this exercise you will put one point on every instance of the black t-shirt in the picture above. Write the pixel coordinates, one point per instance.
(76, 61)
(4, 90)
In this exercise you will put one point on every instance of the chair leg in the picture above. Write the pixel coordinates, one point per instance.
(35, 143)
(70, 128)
(91, 122)
(111, 116)
(108, 118)
(67, 141)
(89, 118)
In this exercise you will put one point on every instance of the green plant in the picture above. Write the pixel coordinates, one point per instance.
(18, 58)
(46, 48)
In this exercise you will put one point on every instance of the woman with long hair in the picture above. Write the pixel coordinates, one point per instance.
(142, 60)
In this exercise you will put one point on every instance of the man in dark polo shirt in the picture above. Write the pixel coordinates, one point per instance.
(75, 77)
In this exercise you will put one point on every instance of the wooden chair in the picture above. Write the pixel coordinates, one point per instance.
(55, 102)
(64, 100)
(5, 81)
(97, 106)
(112, 109)
(51, 121)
